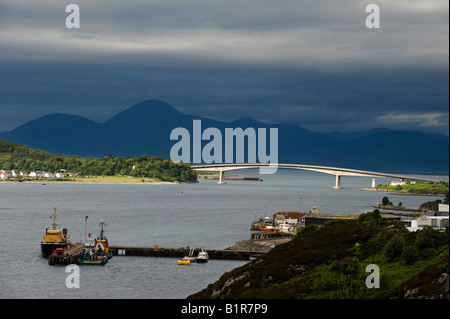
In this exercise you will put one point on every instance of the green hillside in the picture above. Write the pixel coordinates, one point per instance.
(22, 158)
(330, 263)
(417, 188)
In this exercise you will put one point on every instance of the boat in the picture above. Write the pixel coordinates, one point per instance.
(202, 257)
(54, 238)
(269, 229)
(103, 241)
(93, 254)
(95, 251)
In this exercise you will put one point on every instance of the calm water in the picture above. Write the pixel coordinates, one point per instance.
(199, 215)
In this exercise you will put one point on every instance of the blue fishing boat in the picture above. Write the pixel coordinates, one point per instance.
(93, 254)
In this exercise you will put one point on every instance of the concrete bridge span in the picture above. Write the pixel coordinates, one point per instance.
(338, 172)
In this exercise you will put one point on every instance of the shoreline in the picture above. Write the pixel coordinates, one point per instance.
(100, 182)
(393, 192)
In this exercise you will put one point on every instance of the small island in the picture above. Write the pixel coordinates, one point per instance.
(421, 188)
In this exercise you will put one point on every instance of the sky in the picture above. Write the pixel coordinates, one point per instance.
(311, 63)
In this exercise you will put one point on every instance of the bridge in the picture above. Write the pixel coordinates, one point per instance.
(338, 172)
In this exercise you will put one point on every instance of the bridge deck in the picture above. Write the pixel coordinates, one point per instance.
(322, 169)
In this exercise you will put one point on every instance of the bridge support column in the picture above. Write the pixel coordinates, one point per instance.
(338, 182)
(221, 180)
(373, 182)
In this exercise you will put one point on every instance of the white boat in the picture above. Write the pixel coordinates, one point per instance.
(202, 257)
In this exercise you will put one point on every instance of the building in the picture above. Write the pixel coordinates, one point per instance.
(437, 222)
(5, 174)
(443, 208)
(401, 182)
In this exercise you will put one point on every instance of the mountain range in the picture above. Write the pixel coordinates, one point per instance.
(145, 128)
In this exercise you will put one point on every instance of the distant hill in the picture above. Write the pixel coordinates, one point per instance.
(348, 136)
(145, 128)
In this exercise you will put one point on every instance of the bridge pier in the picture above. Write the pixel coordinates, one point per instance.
(338, 182)
(221, 180)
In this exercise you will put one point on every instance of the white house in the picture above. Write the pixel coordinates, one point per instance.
(402, 182)
(60, 175)
(395, 183)
(4, 174)
(48, 175)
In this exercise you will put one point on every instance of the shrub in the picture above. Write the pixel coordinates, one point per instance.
(429, 237)
(385, 201)
(369, 216)
(394, 247)
(337, 221)
(410, 254)
(308, 229)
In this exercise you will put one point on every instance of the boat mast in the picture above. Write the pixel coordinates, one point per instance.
(54, 218)
(85, 228)
(101, 237)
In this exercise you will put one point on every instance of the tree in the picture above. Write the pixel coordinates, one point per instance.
(385, 201)
(369, 216)
(429, 237)
(394, 247)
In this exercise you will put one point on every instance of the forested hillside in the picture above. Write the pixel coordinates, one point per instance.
(22, 158)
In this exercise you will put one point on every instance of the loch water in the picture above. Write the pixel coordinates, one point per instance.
(168, 215)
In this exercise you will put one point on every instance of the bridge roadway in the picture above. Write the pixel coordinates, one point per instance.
(221, 168)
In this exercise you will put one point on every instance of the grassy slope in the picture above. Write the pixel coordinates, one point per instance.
(330, 263)
(424, 188)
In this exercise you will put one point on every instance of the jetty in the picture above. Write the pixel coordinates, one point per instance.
(65, 256)
(182, 252)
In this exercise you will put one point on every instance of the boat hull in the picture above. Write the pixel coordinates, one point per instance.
(92, 262)
(98, 262)
(201, 260)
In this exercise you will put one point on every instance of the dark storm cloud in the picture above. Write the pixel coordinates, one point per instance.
(312, 63)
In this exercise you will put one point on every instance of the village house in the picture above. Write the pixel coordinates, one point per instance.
(35, 174)
(5, 174)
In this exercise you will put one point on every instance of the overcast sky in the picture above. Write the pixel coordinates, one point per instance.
(312, 63)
